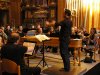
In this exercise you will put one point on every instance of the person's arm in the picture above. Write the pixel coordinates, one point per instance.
(56, 25)
(5, 36)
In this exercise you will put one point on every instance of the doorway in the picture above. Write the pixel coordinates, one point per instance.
(4, 17)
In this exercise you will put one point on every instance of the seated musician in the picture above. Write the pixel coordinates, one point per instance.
(20, 31)
(75, 33)
(51, 32)
(15, 52)
(39, 30)
(91, 43)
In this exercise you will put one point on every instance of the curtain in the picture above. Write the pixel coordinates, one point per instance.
(85, 13)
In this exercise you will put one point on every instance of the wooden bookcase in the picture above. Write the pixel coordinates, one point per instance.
(33, 11)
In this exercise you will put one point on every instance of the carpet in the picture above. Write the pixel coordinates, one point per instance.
(94, 71)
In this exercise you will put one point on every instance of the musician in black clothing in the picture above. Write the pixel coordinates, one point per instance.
(8, 31)
(15, 52)
(91, 42)
(64, 38)
(20, 31)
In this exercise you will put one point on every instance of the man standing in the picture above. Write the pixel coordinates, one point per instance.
(64, 38)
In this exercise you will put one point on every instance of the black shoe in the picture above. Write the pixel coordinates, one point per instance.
(65, 70)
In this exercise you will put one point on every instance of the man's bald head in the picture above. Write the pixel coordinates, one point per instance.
(13, 38)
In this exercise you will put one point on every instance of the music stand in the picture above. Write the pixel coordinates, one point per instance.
(43, 57)
(28, 54)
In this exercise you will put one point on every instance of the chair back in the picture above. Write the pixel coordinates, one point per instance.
(0, 67)
(99, 41)
(9, 66)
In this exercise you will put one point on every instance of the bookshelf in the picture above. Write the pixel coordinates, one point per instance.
(33, 11)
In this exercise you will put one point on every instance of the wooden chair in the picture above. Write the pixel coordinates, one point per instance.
(0, 67)
(99, 47)
(9, 67)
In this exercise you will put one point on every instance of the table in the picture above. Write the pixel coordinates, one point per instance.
(54, 41)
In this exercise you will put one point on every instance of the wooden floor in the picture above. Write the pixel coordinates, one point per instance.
(54, 62)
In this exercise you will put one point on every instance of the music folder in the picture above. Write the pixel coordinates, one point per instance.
(30, 45)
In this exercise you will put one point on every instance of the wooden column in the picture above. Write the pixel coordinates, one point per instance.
(14, 12)
(61, 6)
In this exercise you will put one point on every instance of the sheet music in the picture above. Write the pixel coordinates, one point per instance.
(42, 37)
(30, 46)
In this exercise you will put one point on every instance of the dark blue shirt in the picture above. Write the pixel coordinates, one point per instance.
(14, 53)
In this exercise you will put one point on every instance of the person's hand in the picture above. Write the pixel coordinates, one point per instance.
(2, 31)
